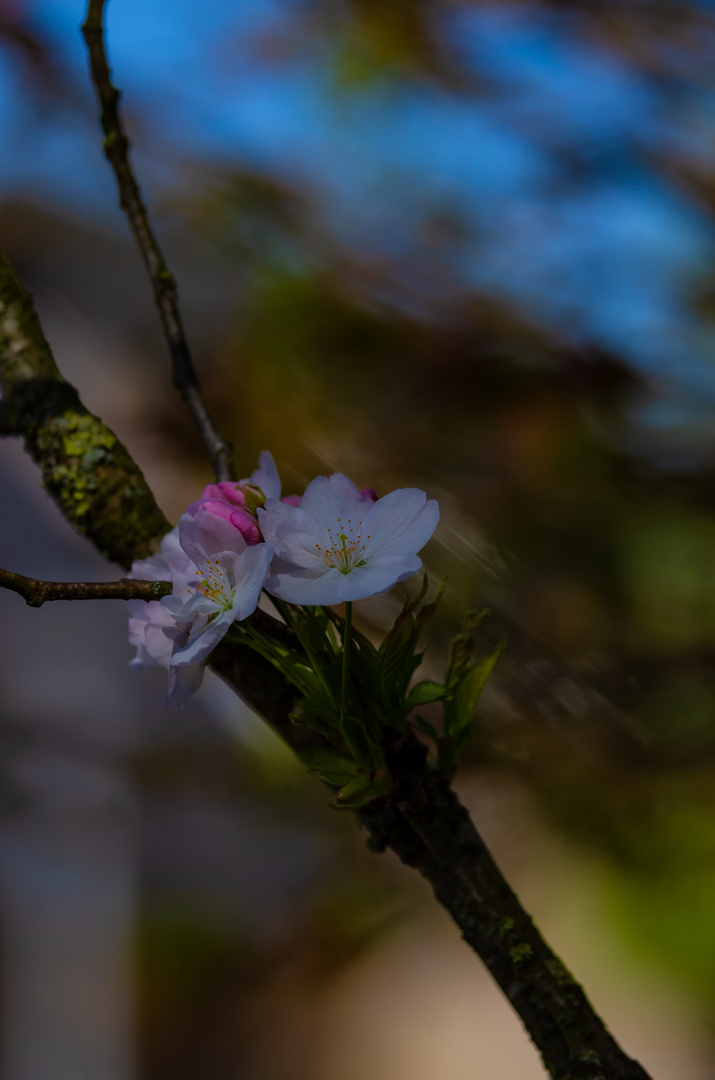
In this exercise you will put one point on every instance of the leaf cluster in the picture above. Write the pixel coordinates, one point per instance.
(357, 697)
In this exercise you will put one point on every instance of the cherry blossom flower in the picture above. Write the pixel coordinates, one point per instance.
(227, 581)
(152, 630)
(343, 544)
(217, 565)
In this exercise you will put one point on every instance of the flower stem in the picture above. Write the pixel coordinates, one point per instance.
(347, 634)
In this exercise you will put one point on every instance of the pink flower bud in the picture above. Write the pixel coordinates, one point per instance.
(369, 493)
(291, 500)
(240, 519)
(247, 526)
(230, 491)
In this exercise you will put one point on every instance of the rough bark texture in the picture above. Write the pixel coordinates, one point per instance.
(104, 495)
(430, 830)
(85, 468)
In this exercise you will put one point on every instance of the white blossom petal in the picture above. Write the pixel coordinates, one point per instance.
(146, 632)
(204, 635)
(294, 534)
(300, 586)
(266, 477)
(371, 580)
(254, 566)
(331, 497)
(207, 534)
(403, 520)
(183, 680)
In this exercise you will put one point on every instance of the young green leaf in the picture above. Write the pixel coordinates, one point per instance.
(424, 692)
(461, 650)
(469, 691)
(364, 790)
(329, 765)
(428, 729)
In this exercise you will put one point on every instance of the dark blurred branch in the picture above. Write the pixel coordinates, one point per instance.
(8, 423)
(35, 592)
(84, 467)
(116, 149)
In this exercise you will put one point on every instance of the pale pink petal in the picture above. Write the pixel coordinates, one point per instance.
(169, 561)
(250, 578)
(205, 534)
(400, 523)
(305, 586)
(184, 679)
(328, 498)
(371, 580)
(294, 534)
(203, 639)
(266, 477)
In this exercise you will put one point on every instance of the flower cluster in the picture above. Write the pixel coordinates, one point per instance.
(333, 544)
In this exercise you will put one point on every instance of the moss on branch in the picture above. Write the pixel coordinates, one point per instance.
(85, 468)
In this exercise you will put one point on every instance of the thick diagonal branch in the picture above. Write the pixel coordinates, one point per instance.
(35, 592)
(116, 149)
(430, 830)
(83, 462)
(85, 468)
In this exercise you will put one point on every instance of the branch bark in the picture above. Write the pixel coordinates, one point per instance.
(425, 824)
(116, 149)
(85, 468)
(430, 830)
(36, 592)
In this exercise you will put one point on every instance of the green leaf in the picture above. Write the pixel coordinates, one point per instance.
(364, 790)
(394, 657)
(429, 729)
(424, 692)
(303, 718)
(302, 676)
(424, 615)
(361, 743)
(329, 765)
(469, 691)
(313, 628)
(461, 651)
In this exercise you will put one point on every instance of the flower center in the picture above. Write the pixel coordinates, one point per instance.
(346, 547)
(215, 584)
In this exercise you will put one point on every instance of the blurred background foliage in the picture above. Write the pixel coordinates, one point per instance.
(459, 245)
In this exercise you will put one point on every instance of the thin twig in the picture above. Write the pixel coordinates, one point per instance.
(116, 149)
(35, 592)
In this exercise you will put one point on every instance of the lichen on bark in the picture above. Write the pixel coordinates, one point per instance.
(85, 468)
